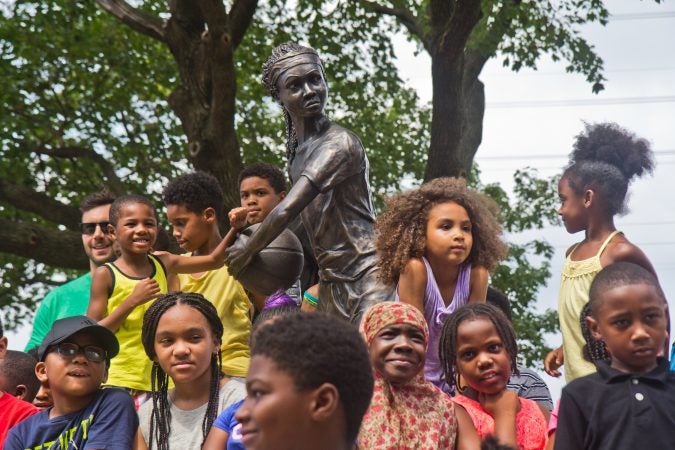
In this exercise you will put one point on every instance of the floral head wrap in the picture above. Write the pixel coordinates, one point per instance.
(414, 415)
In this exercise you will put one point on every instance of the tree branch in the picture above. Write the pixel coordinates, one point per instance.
(26, 199)
(241, 16)
(52, 247)
(135, 18)
(406, 17)
(113, 182)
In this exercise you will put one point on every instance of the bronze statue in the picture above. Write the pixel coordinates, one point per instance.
(329, 171)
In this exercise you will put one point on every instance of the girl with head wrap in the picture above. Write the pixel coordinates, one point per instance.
(407, 411)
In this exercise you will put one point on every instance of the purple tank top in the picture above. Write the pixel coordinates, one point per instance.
(435, 313)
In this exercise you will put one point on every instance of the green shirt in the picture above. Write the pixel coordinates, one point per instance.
(68, 300)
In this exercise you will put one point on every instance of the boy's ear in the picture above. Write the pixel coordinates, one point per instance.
(41, 372)
(209, 214)
(325, 400)
(592, 325)
(3, 346)
(282, 195)
(20, 392)
(111, 229)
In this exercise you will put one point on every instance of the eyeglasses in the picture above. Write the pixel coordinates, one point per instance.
(91, 352)
(89, 228)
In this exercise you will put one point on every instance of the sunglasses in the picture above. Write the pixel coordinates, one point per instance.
(71, 350)
(89, 228)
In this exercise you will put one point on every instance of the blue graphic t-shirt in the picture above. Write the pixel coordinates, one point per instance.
(108, 422)
(229, 424)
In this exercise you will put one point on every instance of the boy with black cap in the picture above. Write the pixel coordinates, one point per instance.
(73, 359)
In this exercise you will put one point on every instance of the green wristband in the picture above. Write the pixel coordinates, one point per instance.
(309, 298)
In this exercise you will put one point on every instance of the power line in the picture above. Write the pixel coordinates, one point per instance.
(580, 102)
(642, 16)
(665, 152)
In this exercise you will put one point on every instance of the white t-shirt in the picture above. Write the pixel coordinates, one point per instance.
(186, 426)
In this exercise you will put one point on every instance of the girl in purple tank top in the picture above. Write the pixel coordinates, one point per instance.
(437, 244)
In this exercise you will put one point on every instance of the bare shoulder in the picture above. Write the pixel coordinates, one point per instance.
(621, 249)
(570, 248)
(415, 269)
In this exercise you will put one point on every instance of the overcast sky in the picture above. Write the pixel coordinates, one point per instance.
(533, 116)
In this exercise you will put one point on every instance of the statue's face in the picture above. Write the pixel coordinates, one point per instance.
(303, 90)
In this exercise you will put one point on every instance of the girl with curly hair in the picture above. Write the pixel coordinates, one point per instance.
(592, 190)
(438, 243)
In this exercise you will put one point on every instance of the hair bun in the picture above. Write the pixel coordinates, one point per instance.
(610, 143)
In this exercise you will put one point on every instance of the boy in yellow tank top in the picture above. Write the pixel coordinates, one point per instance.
(121, 291)
(194, 205)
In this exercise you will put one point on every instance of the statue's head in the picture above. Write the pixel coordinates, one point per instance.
(290, 57)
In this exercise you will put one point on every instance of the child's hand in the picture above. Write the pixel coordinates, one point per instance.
(145, 290)
(502, 404)
(237, 217)
(553, 361)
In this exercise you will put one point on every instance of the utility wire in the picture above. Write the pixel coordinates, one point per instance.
(580, 102)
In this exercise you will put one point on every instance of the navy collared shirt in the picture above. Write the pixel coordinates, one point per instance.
(614, 410)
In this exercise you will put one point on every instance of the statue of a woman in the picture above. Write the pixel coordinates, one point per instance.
(329, 171)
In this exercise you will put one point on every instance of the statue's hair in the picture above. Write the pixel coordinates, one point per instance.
(605, 159)
(402, 226)
(269, 82)
(160, 417)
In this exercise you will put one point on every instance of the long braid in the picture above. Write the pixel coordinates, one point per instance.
(447, 347)
(594, 350)
(160, 418)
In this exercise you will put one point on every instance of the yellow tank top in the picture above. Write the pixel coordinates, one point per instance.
(131, 367)
(233, 305)
(574, 286)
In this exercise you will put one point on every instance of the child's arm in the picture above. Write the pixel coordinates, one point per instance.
(478, 284)
(626, 252)
(144, 291)
(216, 439)
(139, 442)
(412, 283)
(467, 437)
(214, 260)
(554, 361)
(503, 407)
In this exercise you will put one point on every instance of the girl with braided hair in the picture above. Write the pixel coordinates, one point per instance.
(478, 347)
(592, 190)
(182, 335)
(331, 194)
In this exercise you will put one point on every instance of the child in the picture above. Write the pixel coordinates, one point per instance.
(478, 343)
(407, 411)
(181, 335)
(194, 207)
(121, 291)
(592, 191)
(331, 193)
(17, 375)
(438, 243)
(74, 358)
(226, 430)
(309, 384)
(12, 409)
(261, 188)
(628, 403)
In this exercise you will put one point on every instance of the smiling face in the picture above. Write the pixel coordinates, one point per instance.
(448, 235)
(99, 245)
(191, 230)
(303, 90)
(482, 359)
(136, 228)
(572, 208)
(631, 320)
(397, 352)
(275, 414)
(72, 376)
(184, 345)
(259, 198)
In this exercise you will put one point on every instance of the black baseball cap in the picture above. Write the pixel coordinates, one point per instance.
(62, 329)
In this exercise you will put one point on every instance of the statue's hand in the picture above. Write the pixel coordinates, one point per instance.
(236, 259)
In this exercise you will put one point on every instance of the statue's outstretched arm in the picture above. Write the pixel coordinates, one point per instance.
(302, 192)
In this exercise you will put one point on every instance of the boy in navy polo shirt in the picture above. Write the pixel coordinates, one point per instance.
(74, 359)
(630, 402)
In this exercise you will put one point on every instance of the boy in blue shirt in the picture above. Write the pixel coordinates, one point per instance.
(74, 358)
(628, 403)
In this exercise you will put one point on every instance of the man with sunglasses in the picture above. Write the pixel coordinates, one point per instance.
(74, 358)
(72, 298)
